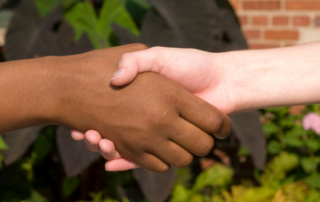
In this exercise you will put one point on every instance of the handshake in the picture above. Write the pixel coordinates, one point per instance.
(152, 121)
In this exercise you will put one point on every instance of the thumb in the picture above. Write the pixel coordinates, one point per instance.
(130, 64)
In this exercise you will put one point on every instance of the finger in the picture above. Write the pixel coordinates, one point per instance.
(92, 139)
(108, 151)
(203, 115)
(77, 135)
(120, 165)
(173, 154)
(130, 64)
(152, 163)
(191, 138)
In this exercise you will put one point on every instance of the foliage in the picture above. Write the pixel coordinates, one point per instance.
(48, 171)
(212, 185)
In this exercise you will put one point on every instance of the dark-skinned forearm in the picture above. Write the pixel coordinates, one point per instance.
(27, 98)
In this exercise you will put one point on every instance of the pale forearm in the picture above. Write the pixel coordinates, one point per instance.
(275, 77)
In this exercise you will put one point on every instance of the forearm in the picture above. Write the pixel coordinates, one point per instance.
(274, 77)
(26, 99)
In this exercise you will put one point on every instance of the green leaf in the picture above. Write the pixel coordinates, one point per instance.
(68, 3)
(69, 185)
(313, 145)
(44, 6)
(2, 144)
(289, 121)
(196, 198)
(243, 151)
(216, 176)
(274, 147)
(309, 163)
(83, 20)
(142, 3)
(313, 180)
(313, 195)
(180, 194)
(293, 141)
(42, 146)
(113, 11)
(36, 197)
(297, 132)
(270, 128)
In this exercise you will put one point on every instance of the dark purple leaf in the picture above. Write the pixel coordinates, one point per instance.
(75, 156)
(61, 42)
(156, 187)
(248, 129)
(27, 29)
(18, 143)
(193, 22)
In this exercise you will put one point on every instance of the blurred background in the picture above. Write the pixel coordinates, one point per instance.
(272, 154)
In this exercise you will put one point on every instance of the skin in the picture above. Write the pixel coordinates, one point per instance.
(153, 121)
(233, 81)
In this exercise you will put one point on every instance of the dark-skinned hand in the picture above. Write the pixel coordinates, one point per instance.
(152, 121)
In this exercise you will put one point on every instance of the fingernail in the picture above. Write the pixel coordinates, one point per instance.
(118, 73)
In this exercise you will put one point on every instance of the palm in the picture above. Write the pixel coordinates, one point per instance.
(196, 72)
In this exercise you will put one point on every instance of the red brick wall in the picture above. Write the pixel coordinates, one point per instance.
(278, 23)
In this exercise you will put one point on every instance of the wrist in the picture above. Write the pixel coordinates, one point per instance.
(242, 77)
(26, 91)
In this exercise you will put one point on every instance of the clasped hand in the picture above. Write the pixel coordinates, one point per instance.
(152, 122)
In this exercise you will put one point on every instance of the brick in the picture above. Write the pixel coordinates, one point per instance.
(280, 20)
(282, 34)
(303, 5)
(234, 4)
(252, 34)
(259, 20)
(243, 20)
(317, 21)
(263, 46)
(301, 21)
(261, 4)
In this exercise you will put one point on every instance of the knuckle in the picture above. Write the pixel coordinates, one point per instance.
(140, 46)
(206, 147)
(216, 123)
(162, 168)
(125, 57)
(185, 161)
(168, 94)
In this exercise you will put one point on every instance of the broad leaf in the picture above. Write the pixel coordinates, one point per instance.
(83, 19)
(18, 143)
(75, 156)
(313, 180)
(61, 42)
(113, 11)
(243, 151)
(293, 141)
(180, 193)
(309, 163)
(36, 197)
(274, 147)
(248, 129)
(156, 32)
(270, 128)
(124, 36)
(313, 145)
(194, 22)
(156, 187)
(44, 7)
(26, 30)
